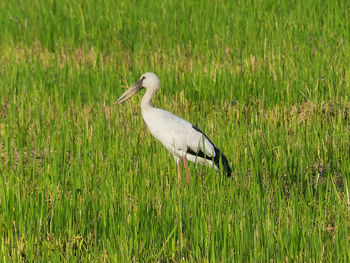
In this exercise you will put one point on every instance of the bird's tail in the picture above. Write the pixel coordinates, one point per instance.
(226, 167)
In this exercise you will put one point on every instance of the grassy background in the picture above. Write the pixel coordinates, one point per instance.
(83, 180)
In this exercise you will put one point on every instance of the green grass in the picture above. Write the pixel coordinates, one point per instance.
(83, 180)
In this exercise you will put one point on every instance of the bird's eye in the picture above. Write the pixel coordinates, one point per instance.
(143, 78)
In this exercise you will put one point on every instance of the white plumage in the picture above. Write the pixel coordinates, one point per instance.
(180, 137)
(176, 134)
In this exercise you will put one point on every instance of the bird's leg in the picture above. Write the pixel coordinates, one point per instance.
(178, 175)
(187, 172)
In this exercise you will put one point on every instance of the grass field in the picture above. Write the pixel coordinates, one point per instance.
(82, 180)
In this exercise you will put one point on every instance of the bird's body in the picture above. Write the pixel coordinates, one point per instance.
(180, 137)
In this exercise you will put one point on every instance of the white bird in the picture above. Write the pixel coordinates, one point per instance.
(183, 139)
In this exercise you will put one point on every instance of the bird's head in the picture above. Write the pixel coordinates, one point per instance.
(148, 80)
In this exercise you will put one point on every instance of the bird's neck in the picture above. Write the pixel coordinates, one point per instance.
(147, 99)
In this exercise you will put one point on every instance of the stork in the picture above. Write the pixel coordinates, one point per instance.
(183, 139)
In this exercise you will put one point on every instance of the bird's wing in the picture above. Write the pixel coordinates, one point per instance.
(184, 139)
(202, 145)
(180, 134)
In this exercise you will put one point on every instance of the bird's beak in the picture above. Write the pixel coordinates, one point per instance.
(130, 92)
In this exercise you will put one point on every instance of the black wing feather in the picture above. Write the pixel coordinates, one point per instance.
(218, 155)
